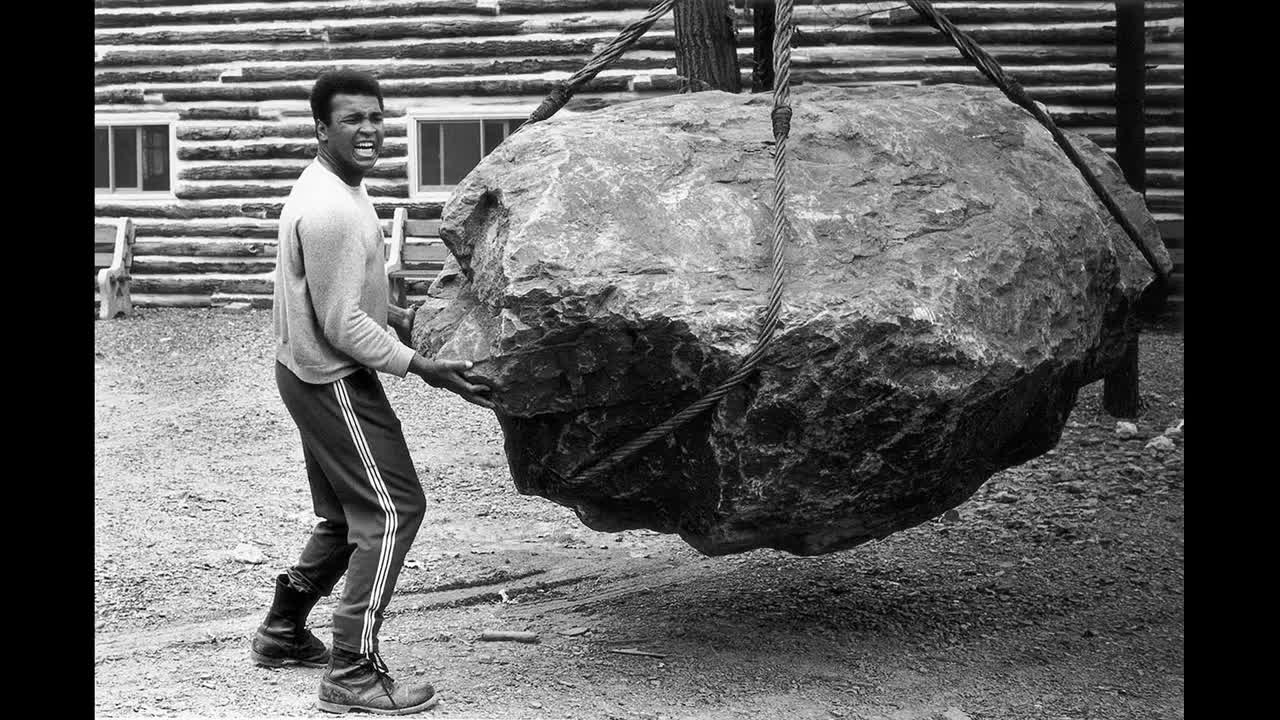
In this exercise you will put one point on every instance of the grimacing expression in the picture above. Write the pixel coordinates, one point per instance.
(352, 139)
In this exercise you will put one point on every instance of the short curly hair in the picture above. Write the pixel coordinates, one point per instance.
(352, 82)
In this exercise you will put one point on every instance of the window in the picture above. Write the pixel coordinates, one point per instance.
(449, 149)
(131, 158)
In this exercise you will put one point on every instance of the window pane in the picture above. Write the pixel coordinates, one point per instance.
(101, 159)
(461, 150)
(155, 157)
(494, 131)
(126, 155)
(429, 153)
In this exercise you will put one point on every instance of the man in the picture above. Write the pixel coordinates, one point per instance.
(330, 320)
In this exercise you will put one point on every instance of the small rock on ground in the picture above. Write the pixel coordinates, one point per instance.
(249, 554)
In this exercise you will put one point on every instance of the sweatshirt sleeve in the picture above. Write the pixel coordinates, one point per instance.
(335, 267)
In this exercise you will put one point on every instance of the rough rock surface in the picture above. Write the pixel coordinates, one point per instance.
(952, 283)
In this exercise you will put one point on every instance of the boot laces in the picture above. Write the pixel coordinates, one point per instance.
(381, 667)
(383, 675)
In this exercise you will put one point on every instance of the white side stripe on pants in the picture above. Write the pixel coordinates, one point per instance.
(388, 509)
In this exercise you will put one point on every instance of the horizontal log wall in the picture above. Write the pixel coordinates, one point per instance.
(237, 75)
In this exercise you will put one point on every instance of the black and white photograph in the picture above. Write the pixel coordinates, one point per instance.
(639, 359)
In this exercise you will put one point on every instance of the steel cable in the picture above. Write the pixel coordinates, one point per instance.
(781, 121)
(988, 66)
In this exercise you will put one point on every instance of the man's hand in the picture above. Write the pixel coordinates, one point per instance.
(401, 320)
(448, 374)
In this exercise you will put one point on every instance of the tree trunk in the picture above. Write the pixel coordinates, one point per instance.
(762, 20)
(1120, 395)
(706, 46)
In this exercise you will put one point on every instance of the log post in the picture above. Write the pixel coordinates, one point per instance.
(706, 46)
(762, 12)
(1130, 88)
(1120, 396)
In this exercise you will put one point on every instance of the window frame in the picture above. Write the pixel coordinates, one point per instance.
(452, 113)
(170, 121)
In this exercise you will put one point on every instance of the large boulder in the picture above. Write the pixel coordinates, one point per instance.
(952, 283)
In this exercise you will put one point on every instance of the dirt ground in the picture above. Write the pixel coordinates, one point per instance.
(1055, 592)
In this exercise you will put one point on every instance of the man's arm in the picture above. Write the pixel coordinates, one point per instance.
(335, 275)
(401, 320)
(448, 374)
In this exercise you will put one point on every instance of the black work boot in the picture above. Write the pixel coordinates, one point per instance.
(282, 639)
(361, 682)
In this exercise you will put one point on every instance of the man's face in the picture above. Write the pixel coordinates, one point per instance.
(352, 139)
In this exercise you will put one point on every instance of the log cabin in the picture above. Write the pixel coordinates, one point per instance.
(202, 121)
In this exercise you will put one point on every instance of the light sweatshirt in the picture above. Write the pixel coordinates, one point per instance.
(330, 302)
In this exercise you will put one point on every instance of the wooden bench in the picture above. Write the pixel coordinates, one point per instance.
(112, 260)
(415, 253)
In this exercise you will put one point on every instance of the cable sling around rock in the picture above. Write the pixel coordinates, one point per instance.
(780, 116)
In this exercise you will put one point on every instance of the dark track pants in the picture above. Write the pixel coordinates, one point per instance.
(365, 491)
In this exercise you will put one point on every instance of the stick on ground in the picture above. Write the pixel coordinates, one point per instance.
(509, 635)
(633, 651)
